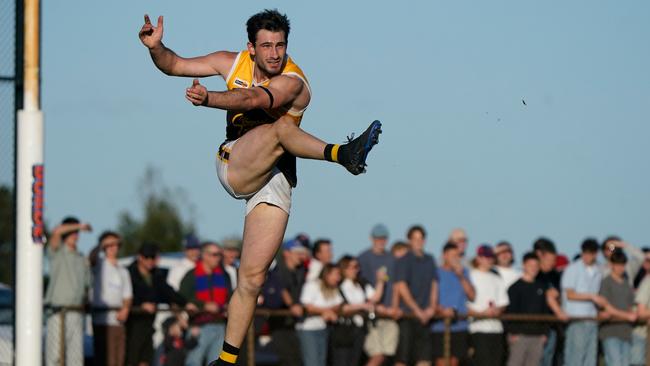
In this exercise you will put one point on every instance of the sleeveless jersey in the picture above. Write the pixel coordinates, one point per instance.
(240, 122)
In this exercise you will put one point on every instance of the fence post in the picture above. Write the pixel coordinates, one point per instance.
(446, 339)
(250, 345)
(62, 337)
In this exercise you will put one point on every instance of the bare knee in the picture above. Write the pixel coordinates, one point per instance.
(250, 283)
(283, 126)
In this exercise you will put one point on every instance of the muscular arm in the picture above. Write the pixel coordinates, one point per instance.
(283, 89)
(167, 61)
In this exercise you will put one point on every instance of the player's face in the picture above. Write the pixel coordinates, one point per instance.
(269, 51)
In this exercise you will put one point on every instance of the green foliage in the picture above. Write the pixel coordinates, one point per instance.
(7, 224)
(162, 222)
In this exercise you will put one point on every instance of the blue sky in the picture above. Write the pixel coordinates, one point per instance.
(447, 80)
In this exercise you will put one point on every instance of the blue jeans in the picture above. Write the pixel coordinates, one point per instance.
(637, 354)
(549, 349)
(617, 351)
(209, 347)
(313, 346)
(581, 345)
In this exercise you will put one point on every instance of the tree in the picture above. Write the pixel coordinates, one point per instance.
(7, 226)
(163, 222)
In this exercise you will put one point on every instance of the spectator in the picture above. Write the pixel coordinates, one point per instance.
(111, 289)
(454, 291)
(192, 251)
(399, 249)
(231, 253)
(458, 236)
(527, 296)
(615, 288)
(549, 276)
(150, 287)
(639, 336)
(69, 281)
(490, 301)
(504, 263)
(359, 295)
(381, 341)
(645, 268)
(635, 257)
(282, 291)
(322, 302)
(580, 285)
(416, 284)
(322, 254)
(207, 290)
(177, 344)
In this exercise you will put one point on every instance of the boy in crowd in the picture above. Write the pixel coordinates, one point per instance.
(527, 296)
(455, 290)
(617, 337)
(580, 286)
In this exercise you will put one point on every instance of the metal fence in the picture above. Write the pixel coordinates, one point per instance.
(10, 99)
(72, 325)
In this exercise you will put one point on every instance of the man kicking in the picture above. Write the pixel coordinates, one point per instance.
(266, 98)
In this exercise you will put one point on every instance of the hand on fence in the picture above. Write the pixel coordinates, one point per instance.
(122, 315)
(297, 310)
(149, 307)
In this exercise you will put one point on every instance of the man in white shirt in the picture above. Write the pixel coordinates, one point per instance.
(111, 289)
(192, 249)
(504, 261)
(231, 253)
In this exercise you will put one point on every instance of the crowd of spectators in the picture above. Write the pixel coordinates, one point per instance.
(386, 305)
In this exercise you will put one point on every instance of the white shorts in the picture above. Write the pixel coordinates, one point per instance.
(276, 192)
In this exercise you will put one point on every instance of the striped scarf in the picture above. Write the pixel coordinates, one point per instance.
(211, 287)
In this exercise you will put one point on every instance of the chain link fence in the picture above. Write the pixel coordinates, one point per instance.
(10, 46)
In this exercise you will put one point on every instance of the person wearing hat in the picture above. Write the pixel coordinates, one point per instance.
(504, 263)
(490, 301)
(192, 251)
(150, 288)
(68, 284)
(381, 341)
(111, 289)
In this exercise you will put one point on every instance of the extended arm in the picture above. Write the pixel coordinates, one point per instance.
(55, 240)
(216, 63)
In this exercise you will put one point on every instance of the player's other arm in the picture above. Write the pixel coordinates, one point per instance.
(216, 63)
(281, 91)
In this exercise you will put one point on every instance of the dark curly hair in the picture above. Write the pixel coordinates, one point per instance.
(268, 19)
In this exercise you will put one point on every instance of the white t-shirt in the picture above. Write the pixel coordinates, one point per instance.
(176, 273)
(111, 286)
(315, 268)
(509, 275)
(355, 294)
(232, 272)
(489, 288)
(312, 295)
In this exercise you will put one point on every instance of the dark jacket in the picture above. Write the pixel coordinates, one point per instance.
(156, 291)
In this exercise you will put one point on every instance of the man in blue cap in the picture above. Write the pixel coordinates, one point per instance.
(381, 341)
(192, 250)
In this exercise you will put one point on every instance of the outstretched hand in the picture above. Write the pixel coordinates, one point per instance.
(149, 35)
(197, 94)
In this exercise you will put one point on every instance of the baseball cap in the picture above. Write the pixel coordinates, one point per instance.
(292, 245)
(149, 250)
(191, 242)
(485, 251)
(379, 231)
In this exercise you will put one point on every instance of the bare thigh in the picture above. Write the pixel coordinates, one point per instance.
(252, 159)
(263, 233)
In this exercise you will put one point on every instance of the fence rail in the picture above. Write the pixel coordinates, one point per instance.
(271, 313)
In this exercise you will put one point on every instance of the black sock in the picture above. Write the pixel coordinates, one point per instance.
(228, 355)
(331, 152)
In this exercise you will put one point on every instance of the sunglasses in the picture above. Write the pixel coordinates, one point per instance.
(214, 254)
